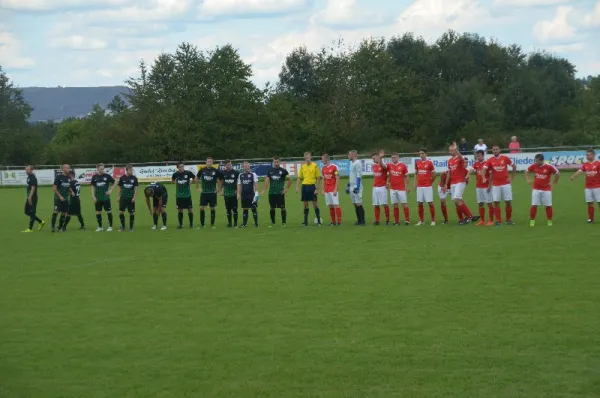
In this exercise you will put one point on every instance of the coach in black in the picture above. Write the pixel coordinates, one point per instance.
(62, 191)
(74, 202)
(32, 199)
(229, 191)
(248, 193)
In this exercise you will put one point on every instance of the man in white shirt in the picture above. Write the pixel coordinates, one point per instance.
(480, 146)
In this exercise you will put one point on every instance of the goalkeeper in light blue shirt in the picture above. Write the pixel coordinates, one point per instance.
(355, 188)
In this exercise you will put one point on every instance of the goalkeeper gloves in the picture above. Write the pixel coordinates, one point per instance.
(348, 188)
(357, 189)
(255, 201)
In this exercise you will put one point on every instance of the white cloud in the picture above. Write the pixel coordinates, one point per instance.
(529, 3)
(558, 28)
(566, 48)
(10, 56)
(78, 42)
(217, 8)
(154, 10)
(104, 73)
(431, 17)
(346, 13)
(593, 18)
(135, 43)
(51, 5)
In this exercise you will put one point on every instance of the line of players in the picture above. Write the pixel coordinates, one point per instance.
(493, 185)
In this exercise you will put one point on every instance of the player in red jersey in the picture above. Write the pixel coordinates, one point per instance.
(399, 188)
(542, 187)
(484, 196)
(424, 177)
(591, 168)
(458, 181)
(331, 180)
(443, 193)
(500, 183)
(380, 183)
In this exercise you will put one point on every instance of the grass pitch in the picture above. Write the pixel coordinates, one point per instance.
(347, 312)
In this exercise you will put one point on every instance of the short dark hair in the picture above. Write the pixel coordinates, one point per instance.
(227, 161)
(395, 154)
(128, 167)
(481, 152)
(539, 156)
(423, 149)
(100, 165)
(276, 158)
(209, 157)
(374, 154)
(591, 151)
(149, 191)
(180, 164)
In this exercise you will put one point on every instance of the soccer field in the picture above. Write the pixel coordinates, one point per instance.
(443, 311)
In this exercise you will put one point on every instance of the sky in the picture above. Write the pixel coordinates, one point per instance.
(101, 42)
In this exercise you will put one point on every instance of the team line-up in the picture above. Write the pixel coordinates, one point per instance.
(391, 180)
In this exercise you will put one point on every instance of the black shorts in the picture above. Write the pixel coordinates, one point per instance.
(247, 201)
(61, 206)
(126, 204)
(208, 199)
(75, 206)
(277, 201)
(231, 202)
(165, 199)
(30, 209)
(308, 193)
(184, 203)
(103, 205)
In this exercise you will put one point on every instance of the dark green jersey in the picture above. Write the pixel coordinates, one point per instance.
(182, 183)
(101, 184)
(230, 181)
(128, 185)
(277, 180)
(76, 188)
(208, 177)
(62, 183)
(160, 191)
(32, 183)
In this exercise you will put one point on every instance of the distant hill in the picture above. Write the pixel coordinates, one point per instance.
(57, 103)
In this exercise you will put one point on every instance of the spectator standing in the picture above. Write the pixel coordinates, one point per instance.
(480, 146)
(463, 146)
(514, 145)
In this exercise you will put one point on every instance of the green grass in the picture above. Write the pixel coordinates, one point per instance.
(348, 312)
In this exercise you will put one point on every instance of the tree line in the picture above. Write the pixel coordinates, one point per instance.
(399, 94)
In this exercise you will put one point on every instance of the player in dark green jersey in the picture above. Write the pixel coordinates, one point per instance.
(160, 196)
(102, 186)
(32, 199)
(229, 192)
(183, 193)
(74, 202)
(62, 191)
(277, 183)
(248, 193)
(127, 190)
(209, 183)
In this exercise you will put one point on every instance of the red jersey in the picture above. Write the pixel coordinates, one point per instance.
(379, 176)
(397, 173)
(543, 173)
(592, 174)
(499, 169)
(477, 168)
(457, 170)
(424, 170)
(329, 173)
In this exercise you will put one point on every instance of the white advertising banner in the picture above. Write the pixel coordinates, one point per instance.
(84, 176)
(159, 173)
(19, 177)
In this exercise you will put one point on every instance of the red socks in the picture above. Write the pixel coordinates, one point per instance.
(498, 211)
(421, 212)
(432, 212)
(338, 213)
(377, 213)
(549, 213)
(591, 212)
(459, 213)
(332, 214)
(406, 214)
(397, 215)
(508, 213)
(466, 210)
(532, 212)
(482, 213)
(386, 210)
(491, 212)
(444, 211)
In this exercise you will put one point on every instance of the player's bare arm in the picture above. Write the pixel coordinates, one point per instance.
(337, 183)
(407, 182)
(135, 192)
(110, 188)
(118, 193)
(266, 185)
(198, 186)
(527, 178)
(317, 185)
(556, 178)
(288, 185)
(298, 181)
(514, 172)
(30, 197)
(148, 205)
(576, 174)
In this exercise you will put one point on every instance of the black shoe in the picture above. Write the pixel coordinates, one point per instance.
(462, 223)
(243, 226)
(229, 226)
(179, 227)
(387, 223)
(332, 224)
(406, 222)
(339, 224)
(376, 223)
(255, 225)
(53, 229)
(82, 228)
(445, 222)
(475, 218)
(304, 225)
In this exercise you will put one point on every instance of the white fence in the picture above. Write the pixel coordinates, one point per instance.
(561, 159)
